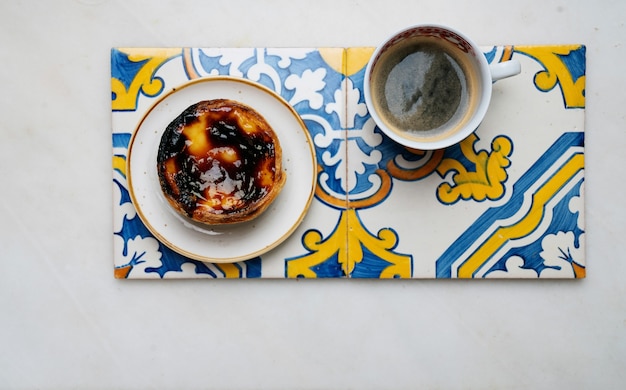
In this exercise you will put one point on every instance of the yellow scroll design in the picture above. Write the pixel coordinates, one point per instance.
(119, 164)
(381, 246)
(347, 242)
(486, 181)
(320, 250)
(230, 270)
(144, 80)
(557, 71)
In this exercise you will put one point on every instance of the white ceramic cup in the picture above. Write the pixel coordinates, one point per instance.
(428, 86)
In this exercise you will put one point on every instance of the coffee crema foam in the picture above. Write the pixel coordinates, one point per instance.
(424, 87)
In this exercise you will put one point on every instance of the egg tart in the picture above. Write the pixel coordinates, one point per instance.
(219, 162)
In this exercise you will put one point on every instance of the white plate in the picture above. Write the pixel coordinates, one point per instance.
(223, 243)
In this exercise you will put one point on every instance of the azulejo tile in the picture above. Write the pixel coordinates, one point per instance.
(507, 202)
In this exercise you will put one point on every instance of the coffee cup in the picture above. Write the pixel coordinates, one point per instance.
(428, 86)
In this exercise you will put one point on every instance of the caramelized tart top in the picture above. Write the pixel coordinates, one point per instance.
(219, 162)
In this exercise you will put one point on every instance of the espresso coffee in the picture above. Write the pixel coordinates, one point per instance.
(424, 87)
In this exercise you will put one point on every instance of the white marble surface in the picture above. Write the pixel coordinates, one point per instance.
(67, 323)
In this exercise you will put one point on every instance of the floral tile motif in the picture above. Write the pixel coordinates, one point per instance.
(507, 202)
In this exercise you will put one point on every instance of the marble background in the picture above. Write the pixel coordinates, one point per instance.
(67, 323)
